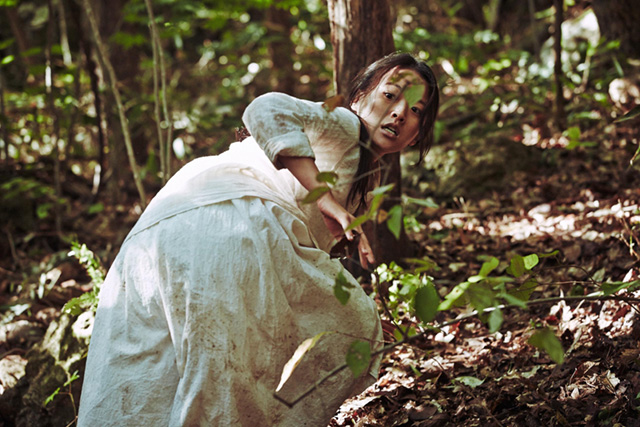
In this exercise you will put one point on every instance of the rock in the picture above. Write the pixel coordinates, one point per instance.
(51, 363)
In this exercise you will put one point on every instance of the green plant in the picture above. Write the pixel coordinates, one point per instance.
(88, 300)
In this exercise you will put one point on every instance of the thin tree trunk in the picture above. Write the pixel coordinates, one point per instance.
(557, 69)
(55, 134)
(18, 32)
(4, 122)
(101, 123)
(155, 44)
(64, 39)
(106, 65)
(281, 48)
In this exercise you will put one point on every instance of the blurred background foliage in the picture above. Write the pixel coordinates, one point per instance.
(61, 143)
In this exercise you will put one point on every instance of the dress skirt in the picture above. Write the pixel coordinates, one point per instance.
(200, 312)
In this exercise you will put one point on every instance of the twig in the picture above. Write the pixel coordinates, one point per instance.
(632, 237)
(106, 64)
(451, 322)
(404, 332)
(155, 44)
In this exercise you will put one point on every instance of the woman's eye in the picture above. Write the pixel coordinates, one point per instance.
(389, 95)
(416, 110)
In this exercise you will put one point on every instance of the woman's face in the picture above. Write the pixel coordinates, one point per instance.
(392, 122)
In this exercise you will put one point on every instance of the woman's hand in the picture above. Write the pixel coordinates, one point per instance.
(364, 252)
(335, 216)
(337, 219)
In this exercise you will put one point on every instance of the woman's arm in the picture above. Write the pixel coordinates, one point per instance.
(335, 216)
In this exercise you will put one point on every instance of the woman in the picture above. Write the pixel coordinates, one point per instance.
(227, 271)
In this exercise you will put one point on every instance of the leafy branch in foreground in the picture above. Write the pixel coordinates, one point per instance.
(413, 293)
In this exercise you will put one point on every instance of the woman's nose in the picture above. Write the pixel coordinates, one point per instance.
(399, 110)
(398, 114)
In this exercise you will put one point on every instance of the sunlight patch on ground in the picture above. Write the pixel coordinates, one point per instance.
(586, 221)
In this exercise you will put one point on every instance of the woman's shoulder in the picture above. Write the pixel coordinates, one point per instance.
(283, 100)
(316, 118)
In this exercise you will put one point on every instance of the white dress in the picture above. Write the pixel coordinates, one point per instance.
(221, 279)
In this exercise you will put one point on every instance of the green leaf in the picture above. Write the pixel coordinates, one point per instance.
(95, 208)
(516, 268)
(427, 203)
(51, 396)
(613, 287)
(31, 52)
(375, 204)
(550, 254)
(452, 297)
(525, 290)
(530, 261)
(330, 178)
(357, 222)
(401, 330)
(573, 133)
(426, 302)
(413, 94)
(72, 378)
(514, 300)
(546, 340)
(489, 266)
(394, 221)
(358, 357)
(295, 360)
(340, 288)
(495, 320)
(425, 264)
(315, 194)
(382, 190)
(480, 296)
(472, 382)
(79, 304)
(42, 210)
(7, 59)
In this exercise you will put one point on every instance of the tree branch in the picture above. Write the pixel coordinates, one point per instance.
(451, 322)
(106, 64)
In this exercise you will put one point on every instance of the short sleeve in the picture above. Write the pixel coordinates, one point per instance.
(277, 123)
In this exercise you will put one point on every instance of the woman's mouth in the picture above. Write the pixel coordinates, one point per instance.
(389, 129)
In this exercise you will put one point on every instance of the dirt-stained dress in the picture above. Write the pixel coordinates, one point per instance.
(221, 279)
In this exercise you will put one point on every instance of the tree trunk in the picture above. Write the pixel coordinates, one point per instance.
(557, 67)
(361, 32)
(281, 49)
(618, 20)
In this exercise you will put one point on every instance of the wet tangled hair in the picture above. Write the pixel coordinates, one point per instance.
(365, 82)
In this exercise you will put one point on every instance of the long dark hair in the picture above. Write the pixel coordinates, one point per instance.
(366, 81)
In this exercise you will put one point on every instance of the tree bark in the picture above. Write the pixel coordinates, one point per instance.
(361, 32)
(91, 70)
(113, 82)
(281, 49)
(619, 20)
(557, 68)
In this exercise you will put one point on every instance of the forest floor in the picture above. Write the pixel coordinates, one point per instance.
(586, 207)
